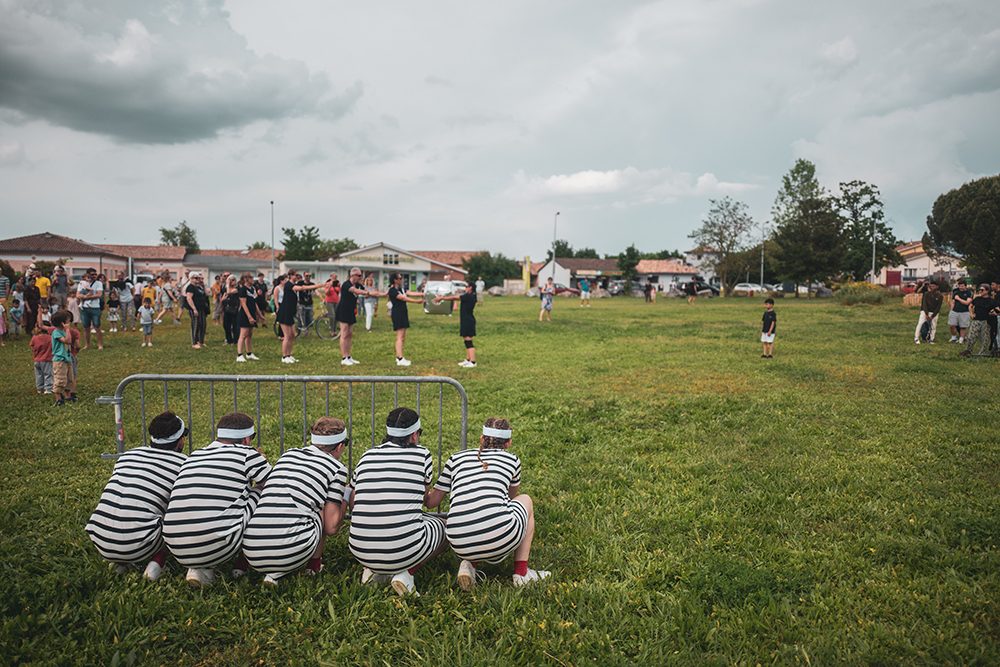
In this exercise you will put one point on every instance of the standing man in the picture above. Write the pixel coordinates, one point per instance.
(260, 286)
(89, 292)
(958, 317)
(44, 286)
(305, 313)
(584, 292)
(480, 290)
(346, 314)
(930, 306)
(60, 286)
(691, 289)
(198, 309)
(32, 299)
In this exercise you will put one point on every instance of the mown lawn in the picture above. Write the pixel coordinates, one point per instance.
(696, 503)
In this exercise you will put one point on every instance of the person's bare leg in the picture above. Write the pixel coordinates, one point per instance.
(248, 343)
(319, 547)
(287, 339)
(524, 548)
(400, 339)
(100, 338)
(240, 342)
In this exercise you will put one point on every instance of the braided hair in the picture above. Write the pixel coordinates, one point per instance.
(490, 442)
(329, 426)
(401, 418)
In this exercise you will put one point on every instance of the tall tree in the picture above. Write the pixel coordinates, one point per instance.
(726, 229)
(966, 222)
(810, 244)
(586, 253)
(563, 249)
(333, 247)
(259, 245)
(663, 254)
(181, 235)
(798, 185)
(860, 206)
(492, 268)
(301, 245)
(627, 261)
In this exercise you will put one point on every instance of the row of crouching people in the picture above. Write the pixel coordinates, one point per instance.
(226, 506)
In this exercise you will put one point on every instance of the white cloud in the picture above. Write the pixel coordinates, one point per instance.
(12, 153)
(842, 52)
(643, 186)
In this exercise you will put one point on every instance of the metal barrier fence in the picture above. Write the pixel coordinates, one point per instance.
(198, 402)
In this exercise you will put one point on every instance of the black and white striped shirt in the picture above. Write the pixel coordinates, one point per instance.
(211, 503)
(484, 524)
(387, 531)
(285, 529)
(126, 525)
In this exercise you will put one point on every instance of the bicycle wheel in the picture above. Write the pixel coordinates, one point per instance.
(326, 328)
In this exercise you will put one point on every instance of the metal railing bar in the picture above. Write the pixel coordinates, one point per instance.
(190, 422)
(166, 397)
(142, 409)
(258, 415)
(373, 414)
(305, 415)
(281, 414)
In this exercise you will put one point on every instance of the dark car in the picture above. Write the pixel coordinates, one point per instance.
(704, 289)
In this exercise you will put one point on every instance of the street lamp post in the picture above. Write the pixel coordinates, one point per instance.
(555, 220)
(763, 233)
(873, 250)
(272, 240)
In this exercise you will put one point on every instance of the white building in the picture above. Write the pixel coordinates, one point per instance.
(703, 260)
(380, 260)
(663, 272)
(918, 264)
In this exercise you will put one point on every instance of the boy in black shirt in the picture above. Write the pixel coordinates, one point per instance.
(769, 324)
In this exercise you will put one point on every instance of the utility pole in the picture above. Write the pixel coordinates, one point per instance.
(555, 220)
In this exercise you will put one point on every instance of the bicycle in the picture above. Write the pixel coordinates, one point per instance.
(326, 328)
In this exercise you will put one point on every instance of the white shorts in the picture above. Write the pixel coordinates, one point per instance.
(584, 296)
(960, 320)
(766, 338)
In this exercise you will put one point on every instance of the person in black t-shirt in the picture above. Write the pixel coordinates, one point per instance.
(230, 310)
(346, 311)
(769, 323)
(305, 314)
(198, 309)
(958, 317)
(979, 330)
(260, 286)
(398, 298)
(466, 322)
(290, 290)
(248, 316)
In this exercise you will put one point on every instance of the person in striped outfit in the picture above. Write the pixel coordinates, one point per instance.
(213, 499)
(489, 519)
(127, 524)
(300, 507)
(390, 535)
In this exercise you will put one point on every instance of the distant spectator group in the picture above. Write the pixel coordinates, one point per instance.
(972, 317)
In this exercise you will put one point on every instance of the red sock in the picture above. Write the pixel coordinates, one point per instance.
(521, 567)
(413, 570)
(315, 564)
(161, 557)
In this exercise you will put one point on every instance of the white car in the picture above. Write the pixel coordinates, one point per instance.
(748, 288)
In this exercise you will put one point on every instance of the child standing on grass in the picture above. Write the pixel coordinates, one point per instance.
(63, 378)
(489, 518)
(301, 506)
(41, 354)
(146, 316)
(127, 525)
(16, 313)
(769, 324)
(114, 307)
(3, 324)
(213, 498)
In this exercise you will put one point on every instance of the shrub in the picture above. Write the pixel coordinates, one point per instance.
(851, 294)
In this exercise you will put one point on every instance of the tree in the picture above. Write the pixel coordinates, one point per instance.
(663, 254)
(860, 206)
(725, 229)
(181, 235)
(7, 270)
(334, 247)
(810, 245)
(966, 222)
(563, 249)
(627, 261)
(586, 253)
(492, 268)
(259, 245)
(797, 186)
(301, 245)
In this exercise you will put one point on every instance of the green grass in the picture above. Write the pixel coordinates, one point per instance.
(695, 503)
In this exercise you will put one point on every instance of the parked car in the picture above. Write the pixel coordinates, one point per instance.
(436, 288)
(748, 289)
(616, 287)
(704, 289)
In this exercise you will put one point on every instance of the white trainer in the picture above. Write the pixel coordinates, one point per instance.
(199, 577)
(916, 341)
(402, 583)
(370, 577)
(354, 362)
(288, 360)
(345, 362)
(270, 581)
(532, 576)
(403, 362)
(464, 363)
(253, 357)
(466, 575)
(153, 571)
(241, 359)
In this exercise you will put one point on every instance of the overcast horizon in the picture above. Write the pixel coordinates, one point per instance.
(459, 125)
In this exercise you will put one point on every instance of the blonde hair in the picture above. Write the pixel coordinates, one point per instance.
(328, 426)
(490, 442)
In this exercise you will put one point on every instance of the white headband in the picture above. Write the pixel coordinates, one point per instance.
(169, 439)
(503, 434)
(332, 439)
(235, 433)
(402, 432)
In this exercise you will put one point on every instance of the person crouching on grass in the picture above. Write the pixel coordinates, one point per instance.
(466, 322)
(300, 507)
(63, 377)
(215, 495)
(489, 519)
(768, 326)
(398, 298)
(126, 527)
(390, 536)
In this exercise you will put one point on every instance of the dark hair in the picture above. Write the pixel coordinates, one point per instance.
(235, 420)
(394, 276)
(401, 418)
(60, 318)
(769, 301)
(165, 425)
(490, 442)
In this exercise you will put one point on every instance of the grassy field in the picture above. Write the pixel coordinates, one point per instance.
(696, 503)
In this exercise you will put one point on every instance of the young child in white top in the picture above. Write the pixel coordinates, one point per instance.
(146, 315)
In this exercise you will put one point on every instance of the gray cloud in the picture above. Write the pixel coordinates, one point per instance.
(163, 75)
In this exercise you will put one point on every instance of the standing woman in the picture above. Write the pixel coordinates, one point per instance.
(230, 310)
(331, 298)
(466, 322)
(288, 305)
(247, 317)
(398, 298)
(547, 292)
(346, 314)
(370, 302)
(198, 309)
(489, 518)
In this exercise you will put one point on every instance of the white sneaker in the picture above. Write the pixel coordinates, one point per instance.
(961, 340)
(199, 577)
(157, 321)
(142, 344)
(288, 360)
(240, 359)
(953, 339)
(238, 572)
(533, 575)
(403, 362)
(916, 341)
(346, 361)
(149, 344)
(270, 581)
(354, 362)
(153, 571)
(466, 575)
(370, 577)
(253, 357)
(402, 583)
(464, 363)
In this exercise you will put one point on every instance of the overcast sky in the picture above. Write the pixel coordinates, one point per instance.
(467, 124)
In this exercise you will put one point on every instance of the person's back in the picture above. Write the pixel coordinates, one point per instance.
(41, 346)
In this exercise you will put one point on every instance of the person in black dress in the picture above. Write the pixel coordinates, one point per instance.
(347, 314)
(398, 298)
(231, 310)
(466, 322)
(247, 317)
(287, 310)
(198, 309)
